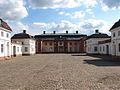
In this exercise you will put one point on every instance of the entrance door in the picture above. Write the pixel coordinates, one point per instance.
(14, 51)
(61, 49)
(107, 49)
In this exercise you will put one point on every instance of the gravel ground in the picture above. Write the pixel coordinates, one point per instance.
(59, 72)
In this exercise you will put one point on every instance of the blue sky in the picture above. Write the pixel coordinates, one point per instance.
(60, 15)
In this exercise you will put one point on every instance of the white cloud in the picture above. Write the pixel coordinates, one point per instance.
(91, 24)
(18, 27)
(62, 3)
(90, 3)
(90, 12)
(39, 24)
(12, 9)
(64, 14)
(79, 14)
(84, 27)
(55, 3)
(65, 26)
(110, 4)
(59, 27)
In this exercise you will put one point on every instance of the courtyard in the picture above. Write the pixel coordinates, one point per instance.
(60, 72)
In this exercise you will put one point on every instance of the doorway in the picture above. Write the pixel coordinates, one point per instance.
(14, 51)
(107, 49)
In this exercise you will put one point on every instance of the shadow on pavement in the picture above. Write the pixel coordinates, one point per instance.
(102, 62)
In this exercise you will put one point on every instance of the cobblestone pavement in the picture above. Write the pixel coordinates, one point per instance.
(59, 72)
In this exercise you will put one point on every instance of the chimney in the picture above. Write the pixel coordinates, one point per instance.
(66, 32)
(97, 31)
(76, 32)
(24, 31)
(54, 32)
(43, 32)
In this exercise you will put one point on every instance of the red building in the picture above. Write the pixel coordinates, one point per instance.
(60, 42)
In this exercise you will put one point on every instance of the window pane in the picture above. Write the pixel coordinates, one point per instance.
(2, 49)
(26, 49)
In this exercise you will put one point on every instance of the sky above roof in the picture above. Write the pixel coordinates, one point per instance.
(37, 16)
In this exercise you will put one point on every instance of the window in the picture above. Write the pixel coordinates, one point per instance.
(70, 49)
(75, 43)
(2, 48)
(26, 49)
(113, 34)
(95, 49)
(2, 34)
(50, 43)
(45, 43)
(100, 48)
(60, 43)
(7, 35)
(118, 33)
(18, 49)
(70, 43)
(119, 47)
(103, 48)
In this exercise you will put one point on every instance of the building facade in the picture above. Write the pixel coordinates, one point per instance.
(115, 38)
(60, 42)
(104, 44)
(28, 43)
(5, 41)
(16, 48)
(92, 42)
(105, 47)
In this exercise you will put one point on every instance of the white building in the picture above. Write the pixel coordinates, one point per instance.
(5, 42)
(28, 42)
(16, 48)
(115, 38)
(105, 47)
(92, 45)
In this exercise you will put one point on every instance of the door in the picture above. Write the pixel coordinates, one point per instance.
(55, 46)
(61, 49)
(107, 49)
(14, 51)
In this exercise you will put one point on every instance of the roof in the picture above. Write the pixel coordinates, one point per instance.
(104, 41)
(5, 25)
(116, 25)
(59, 36)
(98, 35)
(23, 35)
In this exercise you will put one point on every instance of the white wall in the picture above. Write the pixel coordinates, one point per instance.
(115, 42)
(103, 49)
(6, 42)
(92, 43)
(29, 43)
(32, 46)
(18, 49)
